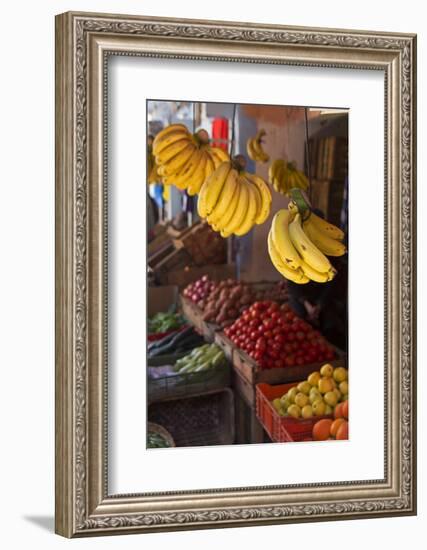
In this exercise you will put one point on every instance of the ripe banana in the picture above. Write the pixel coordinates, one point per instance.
(327, 245)
(224, 199)
(254, 148)
(327, 228)
(283, 176)
(251, 212)
(169, 135)
(173, 164)
(307, 250)
(295, 275)
(231, 208)
(282, 240)
(196, 181)
(265, 194)
(240, 213)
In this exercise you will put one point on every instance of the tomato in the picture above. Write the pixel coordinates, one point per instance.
(290, 336)
(268, 334)
(276, 316)
(278, 364)
(254, 322)
(279, 338)
(274, 354)
(276, 346)
(269, 324)
(300, 335)
(254, 335)
(295, 345)
(261, 344)
(299, 361)
(288, 348)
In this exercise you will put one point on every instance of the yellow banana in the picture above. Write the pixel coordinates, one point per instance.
(218, 155)
(265, 197)
(282, 240)
(210, 164)
(215, 184)
(183, 175)
(251, 213)
(301, 180)
(172, 166)
(198, 178)
(295, 275)
(240, 213)
(257, 147)
(327, 245)
(168, 136)
(232, 207)
(327, 228)
(169, 152)
(224, 198)
(313, 274)
(307, 250)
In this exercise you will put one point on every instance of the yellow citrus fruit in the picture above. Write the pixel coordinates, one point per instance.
(328, 409)
(331, 398)
(307, 411)
(337, 393)
(284, 400)
(340, 374)
(277, 404)
(319, 407)
(325, 384)
(314, 378)
(294, 411)
(291, 394)
(301, 400)
(343, 387)
(314, 395)
(327, 370)
(304, 387)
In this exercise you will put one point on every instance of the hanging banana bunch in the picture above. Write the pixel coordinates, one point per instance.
(254, 148)
(299, 247)
(153, 175)
(284, 176)
(233, 200)
(185, 159)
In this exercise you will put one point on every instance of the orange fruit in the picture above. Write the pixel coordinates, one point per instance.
(345, 409)
(325, 384)
(335, 425)
(338, 411)
(321, 430)
(342, 432)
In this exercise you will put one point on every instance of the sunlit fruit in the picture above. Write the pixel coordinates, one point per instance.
(304, 387)
(307, 411)
(335, 425)
(337, 393)
(285, 401)
(291, 394)
(331, 398)
(325, 384)
(338, 411)
(314, 378)
(314, 395)
(328, 409)
(345, 409)
(301, 400)
(343, 387)
(327, 370)
(342, 431)
(277, 404)
(294, 411)
(344, 397)
(322, 429)
(319, 407)
(340, 374)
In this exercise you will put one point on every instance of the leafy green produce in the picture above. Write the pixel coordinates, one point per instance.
(164, 322)
(203, 358)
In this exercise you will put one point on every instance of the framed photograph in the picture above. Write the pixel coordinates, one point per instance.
(235, 248)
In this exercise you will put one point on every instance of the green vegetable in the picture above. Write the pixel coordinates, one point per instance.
(164, 322)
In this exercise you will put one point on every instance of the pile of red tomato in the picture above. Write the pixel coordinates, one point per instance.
(275, 337)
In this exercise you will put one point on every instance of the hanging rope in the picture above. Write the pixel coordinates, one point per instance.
(233, 124)
(307, 154)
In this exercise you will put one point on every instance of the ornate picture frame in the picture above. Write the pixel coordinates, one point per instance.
(83, 43)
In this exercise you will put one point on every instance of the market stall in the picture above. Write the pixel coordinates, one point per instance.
(247, 274)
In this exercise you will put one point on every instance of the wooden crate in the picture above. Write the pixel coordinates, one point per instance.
(177, 259)
(244, 388)
(225, 344)
(250, 371)
(195, 315)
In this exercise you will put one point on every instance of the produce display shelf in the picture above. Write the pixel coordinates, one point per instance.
(282, 429)
(188, 384)
(250, 370)
(195, 316)
(201, 420)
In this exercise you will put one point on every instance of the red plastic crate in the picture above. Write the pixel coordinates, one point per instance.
(281, 428)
